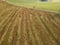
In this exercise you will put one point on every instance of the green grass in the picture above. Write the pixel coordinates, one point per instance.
(22, 1)
(42, 5)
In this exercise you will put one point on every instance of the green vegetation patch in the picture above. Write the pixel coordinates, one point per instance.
(38, 5)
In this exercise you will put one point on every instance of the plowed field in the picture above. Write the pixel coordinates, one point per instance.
(24, 26)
